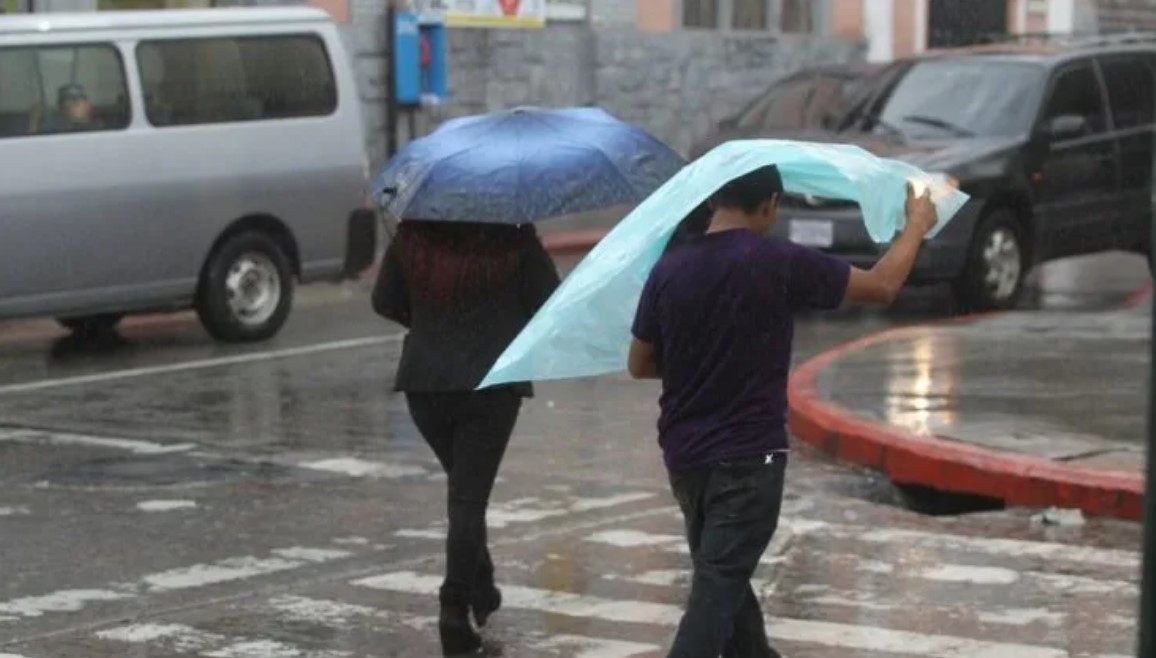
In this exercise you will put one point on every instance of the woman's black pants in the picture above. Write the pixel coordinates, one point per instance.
(468, 432)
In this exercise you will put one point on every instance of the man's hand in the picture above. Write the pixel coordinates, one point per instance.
(882, 283)
(921, 214)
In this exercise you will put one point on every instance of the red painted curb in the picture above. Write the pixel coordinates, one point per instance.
(907, 458)
(1138, 298)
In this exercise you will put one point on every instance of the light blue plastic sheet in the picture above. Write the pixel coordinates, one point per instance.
(584, 328)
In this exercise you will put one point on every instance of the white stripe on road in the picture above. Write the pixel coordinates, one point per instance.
(240, 568)
(802, 631)
(134, 446)
(1017, 548)
(190, 577)
(361, 468)
(199, 364)
(165, 505)
(341, 616)
(532, 510)
(629, 538)
(186, 639)
(942, 573)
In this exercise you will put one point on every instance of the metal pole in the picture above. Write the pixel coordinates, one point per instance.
(390, 79)
(1148, 583)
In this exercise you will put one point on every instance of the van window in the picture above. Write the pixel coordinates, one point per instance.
(59, 89)
(1131, 92)
(198, 81)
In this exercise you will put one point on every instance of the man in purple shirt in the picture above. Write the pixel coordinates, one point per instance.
(715, 324)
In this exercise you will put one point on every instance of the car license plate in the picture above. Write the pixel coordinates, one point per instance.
(813, 233)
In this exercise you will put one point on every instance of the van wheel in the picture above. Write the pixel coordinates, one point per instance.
(246, 289)
(997, 263)
(91, 325)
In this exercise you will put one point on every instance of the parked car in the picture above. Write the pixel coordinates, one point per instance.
(813, 99)
(173, 159)
(1053, 142)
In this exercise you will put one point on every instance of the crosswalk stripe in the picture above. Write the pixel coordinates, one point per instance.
(803, 631)
(182, 578)
(1016, 548)
(339, 615)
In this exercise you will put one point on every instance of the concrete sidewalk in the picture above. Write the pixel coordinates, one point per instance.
(1037, 409)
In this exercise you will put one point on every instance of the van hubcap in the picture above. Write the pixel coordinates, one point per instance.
(1003, 263)
(253, 289)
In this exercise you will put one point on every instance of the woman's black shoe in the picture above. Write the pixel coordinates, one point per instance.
(458, 637)
(486, 603)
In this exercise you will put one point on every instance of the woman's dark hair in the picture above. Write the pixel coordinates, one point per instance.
(457, 263)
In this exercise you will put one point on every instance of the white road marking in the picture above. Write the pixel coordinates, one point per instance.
(69, 600)
(351, 541)
(11, 655)
(17, 510)
(1020, 617)
(165, 505)
(182, 638)
(532, 510)
(200, 364)
(975, 575)
(584, 647)
(239, 568)
(1015, 548)
(628, 538)
(802, 631)
(270, 649)
(134, 446)
(182, 578)
(361, 468)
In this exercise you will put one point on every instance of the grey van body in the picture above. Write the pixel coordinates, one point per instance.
(128, 216)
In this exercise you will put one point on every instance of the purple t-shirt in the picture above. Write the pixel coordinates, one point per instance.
(720, 313)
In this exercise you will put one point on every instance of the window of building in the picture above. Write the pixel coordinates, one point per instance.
(59, 89)
(797, 16)
(1131, 92)
(700, 13)
(194, 81)
(750, 14)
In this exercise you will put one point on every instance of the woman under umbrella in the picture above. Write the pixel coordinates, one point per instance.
(464, 275)
(463, 291)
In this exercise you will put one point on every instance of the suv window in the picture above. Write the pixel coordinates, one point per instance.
(959, 97)
(1131, 92)
(1077, 91)
(59, 89)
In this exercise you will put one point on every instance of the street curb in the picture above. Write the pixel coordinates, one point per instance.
(907, 458)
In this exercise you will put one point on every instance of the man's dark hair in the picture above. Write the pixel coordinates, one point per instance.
(749, 191)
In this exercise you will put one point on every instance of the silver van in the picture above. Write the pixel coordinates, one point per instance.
(161, 160)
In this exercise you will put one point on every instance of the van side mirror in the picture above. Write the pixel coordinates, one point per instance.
(1067, 126)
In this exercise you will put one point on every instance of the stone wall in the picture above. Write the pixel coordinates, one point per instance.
(675, 84)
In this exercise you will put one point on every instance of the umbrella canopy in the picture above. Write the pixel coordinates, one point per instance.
(523, 165)
(584, 328)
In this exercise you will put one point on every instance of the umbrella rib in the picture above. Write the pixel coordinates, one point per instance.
(597, 149)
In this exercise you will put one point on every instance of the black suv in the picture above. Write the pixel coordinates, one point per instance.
(1053, 141)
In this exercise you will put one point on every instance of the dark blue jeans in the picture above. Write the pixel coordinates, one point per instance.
(731, 511)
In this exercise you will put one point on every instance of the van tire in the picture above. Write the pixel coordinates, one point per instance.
(91, 325)
(997, 264)
(246, 289)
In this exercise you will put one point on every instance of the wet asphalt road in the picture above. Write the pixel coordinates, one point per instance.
(164, 496)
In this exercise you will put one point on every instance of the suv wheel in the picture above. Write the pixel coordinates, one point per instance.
(246, 290)
(993, 278)
(91, 325)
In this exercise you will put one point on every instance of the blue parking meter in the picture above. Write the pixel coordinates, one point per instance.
(420, 60)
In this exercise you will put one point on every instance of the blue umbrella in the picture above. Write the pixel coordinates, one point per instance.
(523, 165)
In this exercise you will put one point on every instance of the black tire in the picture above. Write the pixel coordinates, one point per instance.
(251, 258)
(990, 282)
(91, 325)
